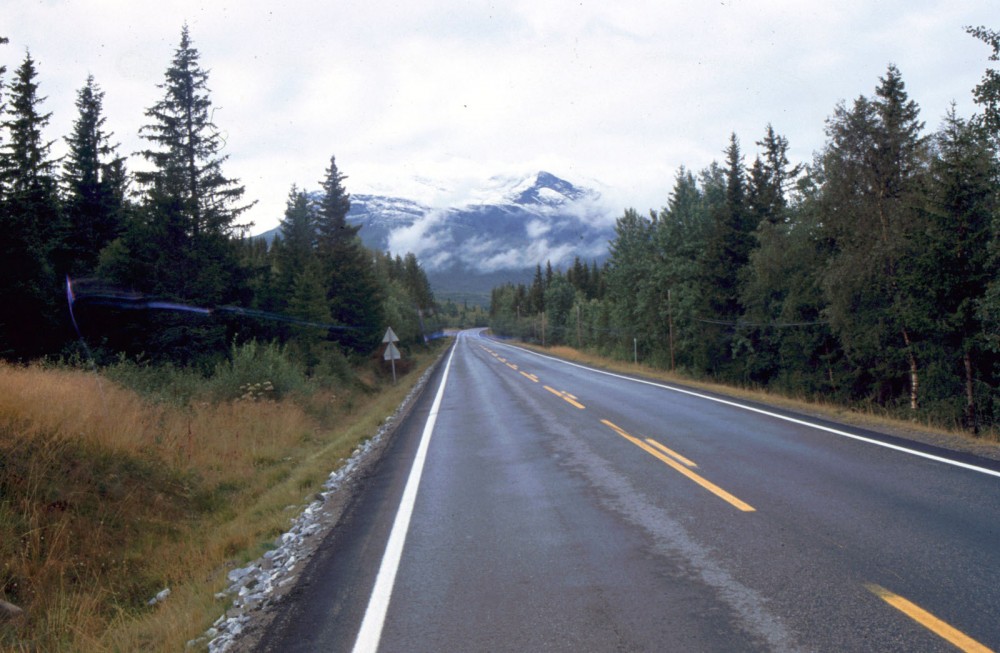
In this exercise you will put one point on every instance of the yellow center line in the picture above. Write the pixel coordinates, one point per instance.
(530, 376)
(928, 621)
(705, 483)
(671, 452)
(512, 366)
(564, 397)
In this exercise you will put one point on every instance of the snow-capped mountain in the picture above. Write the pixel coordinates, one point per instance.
(484, 234)
(499, 232)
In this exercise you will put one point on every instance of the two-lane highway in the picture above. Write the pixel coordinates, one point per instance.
(531, 504)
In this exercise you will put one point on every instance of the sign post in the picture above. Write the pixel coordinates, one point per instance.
(391, 351)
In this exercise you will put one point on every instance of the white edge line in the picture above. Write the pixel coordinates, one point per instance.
(820, 427)
(378, 605)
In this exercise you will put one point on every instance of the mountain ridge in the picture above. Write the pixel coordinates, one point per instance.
(499, 231)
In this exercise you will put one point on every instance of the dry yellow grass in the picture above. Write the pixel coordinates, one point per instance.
(106, 498)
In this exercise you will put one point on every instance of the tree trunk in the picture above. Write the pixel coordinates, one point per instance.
(970, 396)
(914, 377)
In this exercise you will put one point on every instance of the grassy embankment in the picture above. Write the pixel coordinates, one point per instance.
(108, 496)
(986, 443)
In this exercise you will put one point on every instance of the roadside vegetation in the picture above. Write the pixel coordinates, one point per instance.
(116, 486)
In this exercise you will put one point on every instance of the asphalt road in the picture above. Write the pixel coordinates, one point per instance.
(557, 508)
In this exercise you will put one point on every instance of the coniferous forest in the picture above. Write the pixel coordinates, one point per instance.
(869, 276)
(99, 261)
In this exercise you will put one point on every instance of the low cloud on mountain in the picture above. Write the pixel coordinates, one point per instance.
(497, 231)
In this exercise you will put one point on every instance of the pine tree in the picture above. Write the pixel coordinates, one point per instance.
(30, 222)
(95, 186)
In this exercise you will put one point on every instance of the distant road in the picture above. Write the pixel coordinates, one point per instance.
(552, 507)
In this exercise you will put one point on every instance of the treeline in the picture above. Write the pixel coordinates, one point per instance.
(869, 276)
(154, 263)
(555, 308)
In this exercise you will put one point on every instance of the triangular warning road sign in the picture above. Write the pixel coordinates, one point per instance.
(391, 353)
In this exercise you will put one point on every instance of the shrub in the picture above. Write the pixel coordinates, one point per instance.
(257, 371)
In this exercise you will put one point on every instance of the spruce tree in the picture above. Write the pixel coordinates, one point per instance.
(416, 283)
(769, 178)
(191, 206)
(726, 253)
(307, 302)
(297, 245)
(952, 262)
(353, 290)
(95, 186)
(987, 95)
(184, 245)
(674, 291)
(873, 166)
(731, 240)
(334, 205)
(30, 221)
(536, 295)
(629, 271)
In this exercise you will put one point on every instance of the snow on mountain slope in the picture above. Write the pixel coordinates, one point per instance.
(507, 223)
(489, 232)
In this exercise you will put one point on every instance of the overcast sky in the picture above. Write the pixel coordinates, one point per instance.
(619, 92)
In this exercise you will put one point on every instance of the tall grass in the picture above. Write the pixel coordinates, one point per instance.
(109, 494)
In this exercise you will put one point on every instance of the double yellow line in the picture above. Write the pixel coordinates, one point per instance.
(572, 400)
(681, 464)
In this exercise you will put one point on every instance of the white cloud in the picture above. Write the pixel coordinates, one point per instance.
(419, 237)
(537, 229)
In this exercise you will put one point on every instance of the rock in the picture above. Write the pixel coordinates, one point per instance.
(160, 596)
(9, 611)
